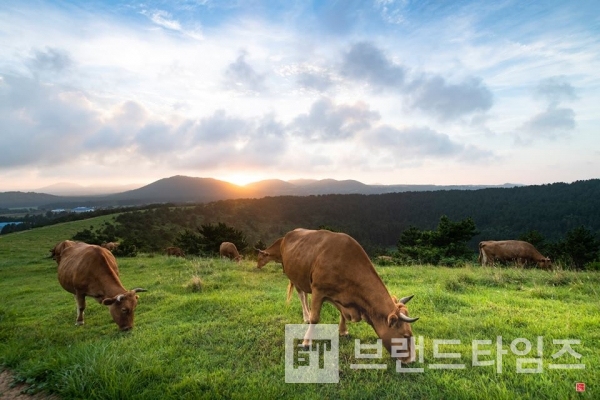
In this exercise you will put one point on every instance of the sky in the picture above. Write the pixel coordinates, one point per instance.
(383, 91)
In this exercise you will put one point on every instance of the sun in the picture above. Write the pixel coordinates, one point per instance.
(240, 178)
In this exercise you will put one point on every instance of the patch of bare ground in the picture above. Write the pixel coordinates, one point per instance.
(11, 391)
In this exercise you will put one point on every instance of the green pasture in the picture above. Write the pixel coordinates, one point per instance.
(210, 328)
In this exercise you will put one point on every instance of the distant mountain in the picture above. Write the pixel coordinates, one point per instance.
(272, 187)
(185, 189)
(25, 199)
(72, 189)
(331, 186)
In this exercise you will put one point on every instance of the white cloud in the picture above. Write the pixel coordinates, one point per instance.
(164, 19)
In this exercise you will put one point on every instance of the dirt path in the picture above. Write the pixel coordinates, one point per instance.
(10, 392)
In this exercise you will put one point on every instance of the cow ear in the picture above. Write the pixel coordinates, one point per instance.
(392, 319)
(109, 301)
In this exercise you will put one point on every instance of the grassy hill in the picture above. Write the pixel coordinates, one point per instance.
(210, 328)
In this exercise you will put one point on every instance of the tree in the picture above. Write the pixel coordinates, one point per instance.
(447, 243)
(581, 246)
(189, 242)
(536, 239)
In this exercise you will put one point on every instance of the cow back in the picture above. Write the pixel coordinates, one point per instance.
(89, 269)
(228, 249)
(331, 260)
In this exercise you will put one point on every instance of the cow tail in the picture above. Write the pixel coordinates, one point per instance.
(290, 290)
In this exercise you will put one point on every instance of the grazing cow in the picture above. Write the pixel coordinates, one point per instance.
(228, 249)
(333, 267)
(110, 246)
(89, 270)
(174, 251)
(60, 246)
(273, 253)
(511, 250)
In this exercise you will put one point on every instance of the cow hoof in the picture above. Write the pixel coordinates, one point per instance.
(345, 335)
(78, 323)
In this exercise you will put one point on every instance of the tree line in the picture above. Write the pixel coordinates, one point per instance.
(556, 215)
(447, 244)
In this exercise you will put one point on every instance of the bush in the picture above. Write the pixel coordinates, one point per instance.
(446, 245)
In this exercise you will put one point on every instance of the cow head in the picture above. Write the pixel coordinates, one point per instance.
(263, 258)
(122, 308)
(399, 332)
(545, 263)
(58, 249)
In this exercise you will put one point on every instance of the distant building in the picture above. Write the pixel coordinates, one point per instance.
(82, 209)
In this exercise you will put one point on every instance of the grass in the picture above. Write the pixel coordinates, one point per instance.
(211, 328)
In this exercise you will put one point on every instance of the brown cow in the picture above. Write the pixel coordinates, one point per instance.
(110, 246)
(90, 270)
(333, 267)
(228, 249)
(511, 250)
(272, 253)
(174, 251)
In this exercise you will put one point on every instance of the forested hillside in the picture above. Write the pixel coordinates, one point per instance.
(379, 220)
(552, 210)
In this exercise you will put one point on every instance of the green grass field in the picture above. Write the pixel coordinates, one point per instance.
(210, 328)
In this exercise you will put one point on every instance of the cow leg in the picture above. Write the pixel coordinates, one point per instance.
(305, 310)
(343, 327)
(80, 300)
(316, 301)
(483, 258)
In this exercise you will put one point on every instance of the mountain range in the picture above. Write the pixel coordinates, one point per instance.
(185, 189)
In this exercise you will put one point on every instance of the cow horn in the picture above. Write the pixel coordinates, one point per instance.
(137, 290)
(120, 298)
(406, 299)
(408, 319)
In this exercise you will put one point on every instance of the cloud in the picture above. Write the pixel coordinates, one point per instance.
(367, 63)
(327, 122)
(391, 11)
(555, 121)
(52, 59)
(242, 77)
(551, 124)
(430, 93)
(450, 101)
(413, 142)
(555, 90)
(155, 139)
(338, 17)
(41, 124)
(164, 19)
(266, 146)
(320, 81)
(219, 128)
